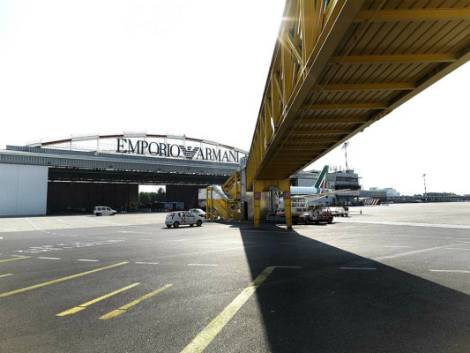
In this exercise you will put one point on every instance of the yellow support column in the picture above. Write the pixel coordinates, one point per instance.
(284, 186)
(207, 203)
(211, 197)
(257, 189)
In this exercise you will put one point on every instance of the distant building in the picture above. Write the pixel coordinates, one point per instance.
(373, 193)
(343, 179)
(380, 193)
(346, 180)
(391, 192)
(443, 197)
(305, 178)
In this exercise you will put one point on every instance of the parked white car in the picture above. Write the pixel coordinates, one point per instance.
(339, 211)
(198, 211)
(104, 211)
(176, 219)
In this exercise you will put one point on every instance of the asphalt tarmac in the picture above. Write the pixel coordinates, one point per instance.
(376, 282)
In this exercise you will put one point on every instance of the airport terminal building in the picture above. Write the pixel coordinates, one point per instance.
(78, 173)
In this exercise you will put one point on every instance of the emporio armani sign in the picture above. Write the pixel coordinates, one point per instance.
(162, 149)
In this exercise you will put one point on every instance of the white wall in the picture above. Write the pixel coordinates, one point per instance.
(23, 190)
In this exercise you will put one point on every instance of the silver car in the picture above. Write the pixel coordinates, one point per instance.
(198, 211)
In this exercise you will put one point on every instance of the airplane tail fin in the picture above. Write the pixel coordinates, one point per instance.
(321, 181)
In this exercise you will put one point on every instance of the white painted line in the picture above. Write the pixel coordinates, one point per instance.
(205, 265)
(409, 224)
(88, 260)
(145, 239)
(1, 238)
(146, 263)
(397, 246)
(358, 268)
(6, 275)
(48, 258)
(413, 252)
(451, 271)
(64, 222)
(32, 224)
(456, 249)
(133, 232)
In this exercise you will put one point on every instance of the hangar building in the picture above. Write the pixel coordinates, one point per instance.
(78, 173)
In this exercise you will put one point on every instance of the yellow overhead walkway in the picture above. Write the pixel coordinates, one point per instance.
(338, 66)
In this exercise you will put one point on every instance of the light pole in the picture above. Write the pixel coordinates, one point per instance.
(425, 192)
(345, 148)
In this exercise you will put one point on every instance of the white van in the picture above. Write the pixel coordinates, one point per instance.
(104, 211)
(180, 218)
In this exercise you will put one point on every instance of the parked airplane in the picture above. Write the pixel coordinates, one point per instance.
(318, 188)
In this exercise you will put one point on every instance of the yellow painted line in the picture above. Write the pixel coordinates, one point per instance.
(6, 275)
(15, 259)
(83, 306)
(59, 280)
(205, 337)
(121, 310)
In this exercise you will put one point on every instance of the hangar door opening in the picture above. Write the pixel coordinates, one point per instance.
(82, 197)
(159, 198)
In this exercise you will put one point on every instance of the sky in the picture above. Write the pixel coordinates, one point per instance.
(198, 68)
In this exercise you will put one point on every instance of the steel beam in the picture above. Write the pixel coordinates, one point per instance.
(435, 14)
(424, 83)
(342, 106)
(314, 141)
(321, 132)
(394, 59)
(298, 152)
(345, 120)
(381, 86)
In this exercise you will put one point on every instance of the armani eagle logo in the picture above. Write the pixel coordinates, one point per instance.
(189, 152)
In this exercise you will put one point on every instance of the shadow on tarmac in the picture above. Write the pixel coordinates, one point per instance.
(322, 308)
